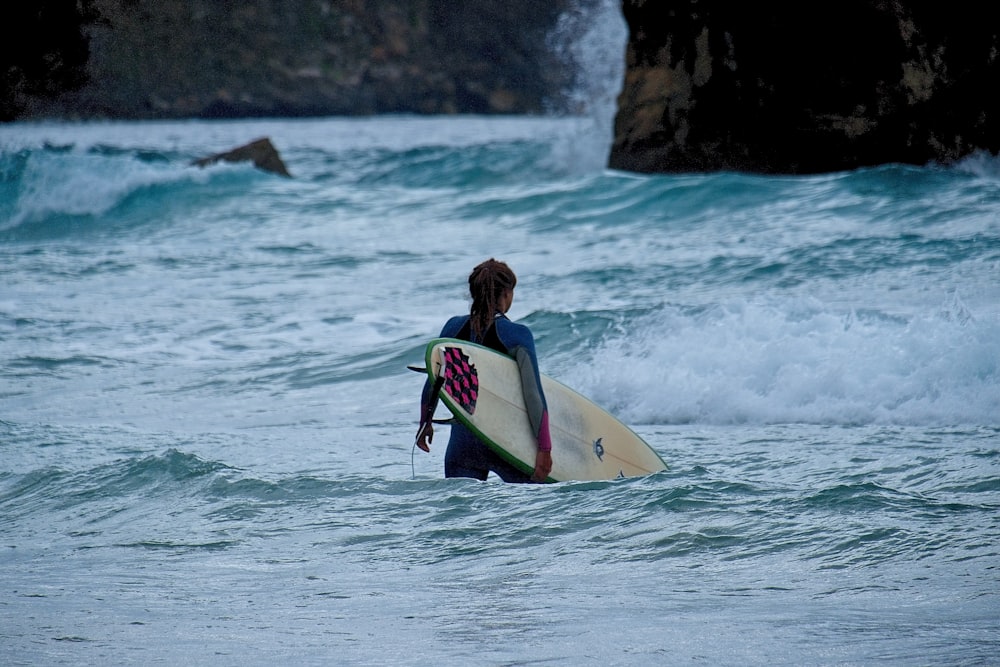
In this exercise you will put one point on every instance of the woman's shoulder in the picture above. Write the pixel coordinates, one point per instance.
(514, 334)
(453, 326)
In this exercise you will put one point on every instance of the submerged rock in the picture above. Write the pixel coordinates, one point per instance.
(261, 152)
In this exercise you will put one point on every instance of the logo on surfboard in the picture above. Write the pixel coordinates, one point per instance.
(599, 449)
(461, 381)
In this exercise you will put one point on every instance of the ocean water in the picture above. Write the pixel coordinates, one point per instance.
(206, 421)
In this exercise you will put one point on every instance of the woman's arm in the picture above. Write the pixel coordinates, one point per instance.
(538, 411)
(428, 397)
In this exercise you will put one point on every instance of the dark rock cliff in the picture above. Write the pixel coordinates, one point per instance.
(788, 87)
(223, 58)
(806, 87)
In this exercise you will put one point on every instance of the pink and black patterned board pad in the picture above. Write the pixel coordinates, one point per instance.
(461, 380)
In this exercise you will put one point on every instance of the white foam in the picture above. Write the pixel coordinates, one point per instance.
(801, 362)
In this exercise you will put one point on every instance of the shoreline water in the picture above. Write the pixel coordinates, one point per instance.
(206, 422)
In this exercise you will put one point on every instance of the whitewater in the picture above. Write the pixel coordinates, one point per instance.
(206, 421)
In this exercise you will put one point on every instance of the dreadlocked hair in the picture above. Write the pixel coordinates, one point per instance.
(487, 283)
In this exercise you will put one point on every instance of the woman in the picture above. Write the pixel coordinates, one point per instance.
(491, 285)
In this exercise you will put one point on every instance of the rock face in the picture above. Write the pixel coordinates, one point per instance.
(806, 87)
(222, 59)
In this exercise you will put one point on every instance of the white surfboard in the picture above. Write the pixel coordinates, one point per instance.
(482, 389)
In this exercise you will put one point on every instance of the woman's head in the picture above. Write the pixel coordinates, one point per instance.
(489, 284)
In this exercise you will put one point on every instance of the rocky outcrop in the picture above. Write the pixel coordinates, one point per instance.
(218, 59)
(806, 87)
(762, 87)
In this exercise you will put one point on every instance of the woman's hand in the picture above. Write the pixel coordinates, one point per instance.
(425, 436)
(543, 466)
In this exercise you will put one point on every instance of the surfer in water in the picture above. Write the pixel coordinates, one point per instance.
(491, 285)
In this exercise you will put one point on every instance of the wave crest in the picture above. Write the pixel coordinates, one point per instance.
(757, 363)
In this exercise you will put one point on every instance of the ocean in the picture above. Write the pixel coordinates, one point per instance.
(207, 424)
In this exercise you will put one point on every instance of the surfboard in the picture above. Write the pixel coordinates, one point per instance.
(482, 389)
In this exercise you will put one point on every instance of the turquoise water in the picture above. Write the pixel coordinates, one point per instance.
(206, 424)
